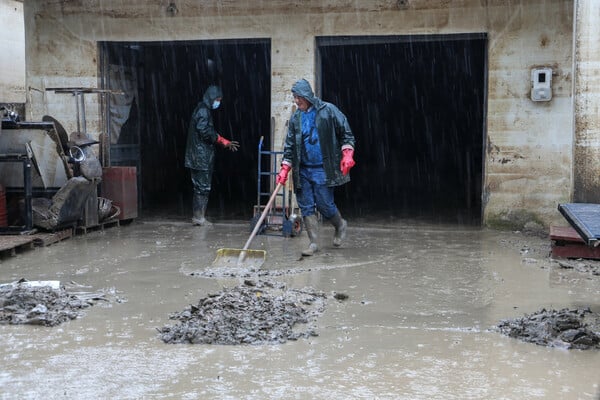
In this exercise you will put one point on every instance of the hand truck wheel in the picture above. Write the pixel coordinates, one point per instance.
(296, 222)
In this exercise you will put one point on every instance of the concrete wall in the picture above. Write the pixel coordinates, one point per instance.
(529, 144)
(12, 52)
(528, 161)
(586, 98)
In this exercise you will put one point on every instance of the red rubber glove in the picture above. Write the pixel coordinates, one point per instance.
(347, 161)
(222, 141)
(228, 144)
(283, 174)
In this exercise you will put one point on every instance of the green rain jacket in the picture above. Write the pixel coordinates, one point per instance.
(334, 135)
(200, 148)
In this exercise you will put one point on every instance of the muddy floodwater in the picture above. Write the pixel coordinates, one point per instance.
(407, 313)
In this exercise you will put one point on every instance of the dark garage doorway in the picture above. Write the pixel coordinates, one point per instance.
(416, 105)
(164, 81)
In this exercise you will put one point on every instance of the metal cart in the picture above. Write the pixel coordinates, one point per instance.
(282, 218)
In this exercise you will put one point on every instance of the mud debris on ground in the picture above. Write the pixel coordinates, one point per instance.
(46, 303)
(229, 272)
(591, 267)
(237, 272)
(255, 312)
(566, 328)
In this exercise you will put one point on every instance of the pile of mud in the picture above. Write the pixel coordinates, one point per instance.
(591, 267)
(253, 313)
(236, 272)
(41, 303)
(569, 329)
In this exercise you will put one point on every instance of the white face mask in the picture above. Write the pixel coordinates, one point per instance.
(216, 104)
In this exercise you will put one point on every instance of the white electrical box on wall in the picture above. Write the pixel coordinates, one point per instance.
(541, 84)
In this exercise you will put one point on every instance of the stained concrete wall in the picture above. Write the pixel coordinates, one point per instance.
(586, 98)
(528, 160)
(12, 52)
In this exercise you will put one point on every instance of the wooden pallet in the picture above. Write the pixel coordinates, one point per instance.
(567, 243)
(46, 239)
(100, 226)
(11, 244)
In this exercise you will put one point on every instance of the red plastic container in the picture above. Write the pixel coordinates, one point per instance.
(119, 184)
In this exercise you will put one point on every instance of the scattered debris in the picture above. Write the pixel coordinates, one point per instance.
(230, 272)
(340, 296)
(41, 303)
(569, 329)
(580, 265)
(258, 312)
(237, 272)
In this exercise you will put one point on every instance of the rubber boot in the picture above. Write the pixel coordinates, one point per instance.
(311, 224)
(340, 225)
(199, 208)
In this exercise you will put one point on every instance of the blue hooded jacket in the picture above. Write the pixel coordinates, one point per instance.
(334, 135)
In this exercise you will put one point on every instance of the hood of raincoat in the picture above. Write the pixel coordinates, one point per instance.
(302, 88)
(212, 92)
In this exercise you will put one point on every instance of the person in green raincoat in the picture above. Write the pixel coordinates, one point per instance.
(200, 151)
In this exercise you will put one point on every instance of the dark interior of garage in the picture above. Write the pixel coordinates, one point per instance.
(416, 106)
(170, 80)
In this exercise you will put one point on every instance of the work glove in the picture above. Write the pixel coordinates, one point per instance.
(347, 161)
(228, 144)
(283, 174)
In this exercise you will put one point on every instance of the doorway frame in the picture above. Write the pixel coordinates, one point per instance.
(134, 151)
(348, 40)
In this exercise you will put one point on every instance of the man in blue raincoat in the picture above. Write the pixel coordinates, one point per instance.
(200, 151)
(319, 149)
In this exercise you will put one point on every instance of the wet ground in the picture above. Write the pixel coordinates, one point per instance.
(408, 312)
